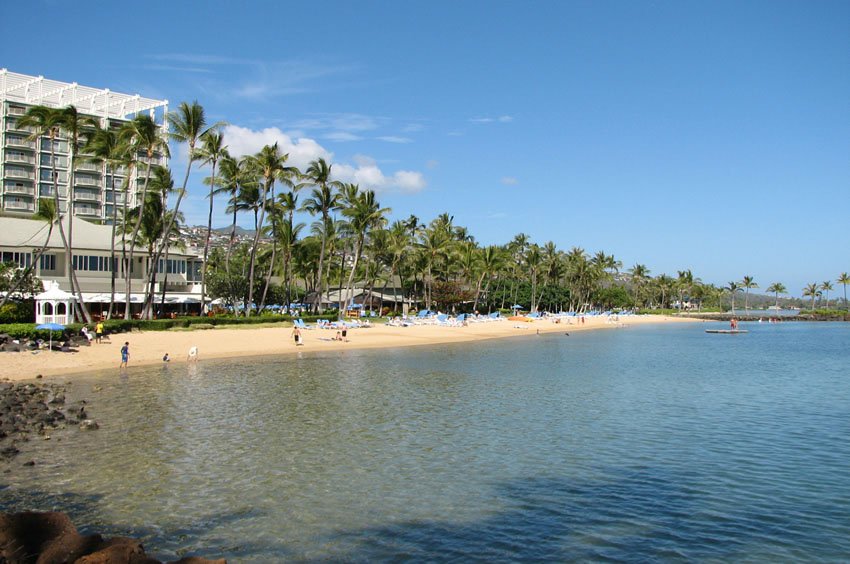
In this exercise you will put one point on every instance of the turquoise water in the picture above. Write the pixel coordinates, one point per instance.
(637, 444)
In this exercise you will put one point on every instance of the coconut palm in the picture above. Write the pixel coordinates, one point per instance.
(105, 147)
(47, 122)
(811, 291)
(268, 164)
(323, 201)
(777, 288)
(142, 135)
(844, 279)
(211, 152)
(747, 283)
(639, 274)
(827, 288)
(364, 214)
(733, 288)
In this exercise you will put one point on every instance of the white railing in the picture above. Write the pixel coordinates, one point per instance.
(87, 180)
(86, 210)
(86, 197)
(12, 157)
(19, 142)
(15, 111)
(14, 189)
(13, 205)
(18, 173)
(89, 166)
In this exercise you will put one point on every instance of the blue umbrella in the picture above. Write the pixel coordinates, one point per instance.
(516, 306)
(51, 327)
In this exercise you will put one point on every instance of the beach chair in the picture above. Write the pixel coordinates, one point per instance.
(301, 325)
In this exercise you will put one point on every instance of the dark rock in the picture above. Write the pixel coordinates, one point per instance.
(29, 463)
(52, 538)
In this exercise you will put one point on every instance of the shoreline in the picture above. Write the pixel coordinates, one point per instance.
(147, 348)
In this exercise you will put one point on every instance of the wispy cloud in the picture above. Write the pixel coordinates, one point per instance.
(509, 181)
(341, 136)
(500, 119)
(395, 139)
(341, 122)
(175, 68)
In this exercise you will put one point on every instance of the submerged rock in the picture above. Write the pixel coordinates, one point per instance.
(52, 537)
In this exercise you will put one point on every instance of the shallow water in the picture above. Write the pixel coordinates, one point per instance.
(650, 443)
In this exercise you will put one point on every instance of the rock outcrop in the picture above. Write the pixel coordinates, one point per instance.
(51, 538)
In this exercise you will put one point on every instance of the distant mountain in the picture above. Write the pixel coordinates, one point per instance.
(240, 232)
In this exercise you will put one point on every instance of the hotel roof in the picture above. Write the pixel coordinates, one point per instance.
(100, 102)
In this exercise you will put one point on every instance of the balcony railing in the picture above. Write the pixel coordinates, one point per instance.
(86, 180)
(16, 111)
(15, 189)
(89, 166)
(86, 196)
(48, 192)
(13, 158)
(18, 173)
(17, 205)
(19, 142)
(12, 125)
(86, 210)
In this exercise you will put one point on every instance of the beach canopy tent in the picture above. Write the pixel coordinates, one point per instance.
(54, 305)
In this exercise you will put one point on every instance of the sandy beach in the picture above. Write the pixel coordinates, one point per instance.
(148, 348)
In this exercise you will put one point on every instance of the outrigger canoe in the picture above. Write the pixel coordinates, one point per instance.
(727, 331)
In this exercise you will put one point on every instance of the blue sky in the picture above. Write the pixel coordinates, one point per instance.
(713, 136)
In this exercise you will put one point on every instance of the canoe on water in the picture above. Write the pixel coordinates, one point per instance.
(726, 331)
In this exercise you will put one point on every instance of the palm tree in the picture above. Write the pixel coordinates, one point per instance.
(844, 279)
(747, 283)
(639, 273)
(777, 288)
(269, 165)
(188, 125)
(211, 152)
(104, 147)
(684, 283)
(733, 288)
(47, 122)
(364, 214)
(812, 291)
(827, 288)
(142, 135)
(46, 212)
(322, 201)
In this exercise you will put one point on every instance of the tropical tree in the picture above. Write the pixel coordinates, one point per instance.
(733, 288)
(323, 201)
(104, 147)
(268, 164)
(747, 283)
(777, 288)
(812, 291)
(142, 135)
(211, 152)
(844, 279)
(47, 122)
(364, 214)
(827, 287)
(639, 275)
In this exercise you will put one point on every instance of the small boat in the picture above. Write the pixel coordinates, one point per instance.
(727, 331)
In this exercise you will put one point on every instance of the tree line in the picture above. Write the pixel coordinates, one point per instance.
(347, 240)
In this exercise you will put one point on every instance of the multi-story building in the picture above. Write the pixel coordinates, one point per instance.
(27, 166)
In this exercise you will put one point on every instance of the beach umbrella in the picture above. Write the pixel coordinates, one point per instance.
(51, 327)
(516, 306)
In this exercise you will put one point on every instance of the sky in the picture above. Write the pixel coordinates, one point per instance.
(711, 136)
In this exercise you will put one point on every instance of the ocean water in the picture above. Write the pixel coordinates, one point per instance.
(658, 443)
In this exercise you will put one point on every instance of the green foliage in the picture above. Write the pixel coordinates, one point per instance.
(17, 312)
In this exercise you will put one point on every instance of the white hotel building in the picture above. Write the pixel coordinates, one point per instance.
(26, 170)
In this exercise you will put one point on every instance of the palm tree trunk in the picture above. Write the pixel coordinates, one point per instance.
(318, 299)
(207, 242)
(112, 264)
(259, 225)
(138, 224)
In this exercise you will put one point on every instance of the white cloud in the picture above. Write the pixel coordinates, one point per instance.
(432, 164)
(364, 171)
(395, 139)
(413, 127)
(500, 119)
(509, 180)
(340, 122)
(341, 136)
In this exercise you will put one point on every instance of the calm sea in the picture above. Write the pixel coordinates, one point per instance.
(637, 444)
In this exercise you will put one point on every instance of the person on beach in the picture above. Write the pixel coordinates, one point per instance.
(125, 354)
(296, 335)
(165, 358)
(733, 323)
(193, 354)
(98, 331)
(344, 335)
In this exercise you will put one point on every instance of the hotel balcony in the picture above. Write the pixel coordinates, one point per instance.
(86, 197)
(16, 111)
(18, 205)
(14, 141)
(15, 158)
(16, 189)
(18, 173)
(92, 167)
(85, 180)
(86, 210)
(12, 125)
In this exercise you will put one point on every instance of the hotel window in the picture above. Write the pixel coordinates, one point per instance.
(47, 262)
(22, 259)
